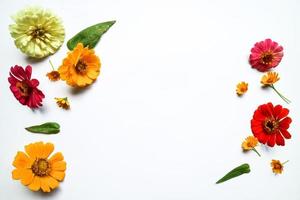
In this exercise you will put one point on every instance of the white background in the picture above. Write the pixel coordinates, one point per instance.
(162, 122)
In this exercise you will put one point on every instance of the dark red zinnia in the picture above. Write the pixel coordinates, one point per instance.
(269, 124)
(265, 55)
(24, 88)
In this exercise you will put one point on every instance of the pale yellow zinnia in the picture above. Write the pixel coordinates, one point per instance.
(37, 32)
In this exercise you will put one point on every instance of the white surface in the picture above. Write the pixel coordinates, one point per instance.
(162, 122)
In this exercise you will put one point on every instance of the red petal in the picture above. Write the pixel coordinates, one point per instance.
(284, 113)
(285, 133)
(285, 123)
(279, 139)
(271, 141)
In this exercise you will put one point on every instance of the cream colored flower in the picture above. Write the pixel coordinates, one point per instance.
(37, 32)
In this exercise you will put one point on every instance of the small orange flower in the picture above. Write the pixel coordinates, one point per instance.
(250, 143)
(63, 102)
(277, 166)
(241, 88)
(270, 78)
(81, 67)
(35, 170)
(53, 75)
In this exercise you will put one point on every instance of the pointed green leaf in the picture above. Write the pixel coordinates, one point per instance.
(46, 128)
(90, 36)
(242, 169)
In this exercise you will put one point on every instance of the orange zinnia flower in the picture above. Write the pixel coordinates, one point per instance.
(35, 170)
(81, 67)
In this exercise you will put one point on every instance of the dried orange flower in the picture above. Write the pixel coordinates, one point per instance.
(269, 79)
(241, 88)
(81, 67)
(250, 143)
(35, 170)
(63, 102)
(277, 166)
(53, 75)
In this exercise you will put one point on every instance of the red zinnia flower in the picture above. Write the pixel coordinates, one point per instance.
(265, 55)
(270, 123)
(24, 88)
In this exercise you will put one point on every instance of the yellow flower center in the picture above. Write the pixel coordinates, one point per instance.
(266, 58)
(270, 125)
(80, 67)
(23, 88)
(41, 167)
(277, 166)
(38, 32)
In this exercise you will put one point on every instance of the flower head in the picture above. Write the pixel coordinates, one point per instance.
(270, 78)
(265, 55)
(37, 32)
(24, 88)
(81, 67)
(53, 75)
(249, 143)
(63, 102)
(36, 170)
(277, 166)
(270, 124)
(241, 88)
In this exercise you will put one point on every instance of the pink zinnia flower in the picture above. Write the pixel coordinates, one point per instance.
(24, 88)
(265, 55)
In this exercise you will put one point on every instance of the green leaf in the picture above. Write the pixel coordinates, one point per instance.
(242, 169)
(90, 36)
(46, 128)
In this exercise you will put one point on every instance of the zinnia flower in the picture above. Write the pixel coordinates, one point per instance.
(81, 67)
(63, 102)
(53, 75)
(35, 170)
(250, 143)
(241, 88)
(277, 166)
(37, 32)
(270, 124)
(265, 55)
(269, 79)
(24, 88)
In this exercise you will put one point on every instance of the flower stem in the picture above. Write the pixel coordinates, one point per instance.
(281, 96)
(256, 152)
(285, 162)
(51, 65)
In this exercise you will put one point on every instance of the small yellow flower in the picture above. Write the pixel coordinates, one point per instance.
(250, 143)
(241, 88)
(36, 169)
(270, 78)
(63, 102)
(277, 166)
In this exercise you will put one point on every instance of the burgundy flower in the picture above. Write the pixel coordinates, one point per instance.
(265, 55)
(24, 88)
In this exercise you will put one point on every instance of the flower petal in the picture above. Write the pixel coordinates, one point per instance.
(36, 184)
(58, 175)
(59, 166)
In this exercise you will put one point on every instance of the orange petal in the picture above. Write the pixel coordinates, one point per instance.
(22, 160)
(52, 182)
(33, 149)
(27, 177)
(47, 150)
(58, 175)
(36, 184)
(56, 157)
(45, 184)
(59, 166)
